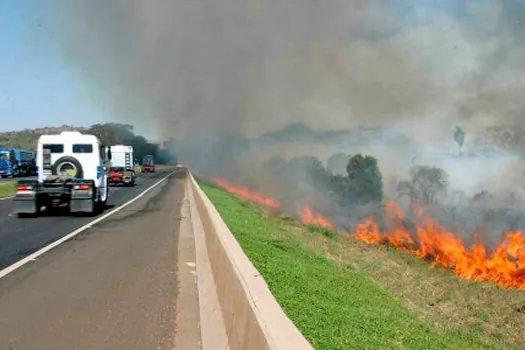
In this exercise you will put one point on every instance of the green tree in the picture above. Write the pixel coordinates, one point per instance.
(364, 172)
(123, 134)
(362, 184)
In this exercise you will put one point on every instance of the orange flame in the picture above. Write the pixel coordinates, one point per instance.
(310, 218)
(505, 265)
(247, 194)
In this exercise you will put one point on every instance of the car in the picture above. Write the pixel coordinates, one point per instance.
(72, 172)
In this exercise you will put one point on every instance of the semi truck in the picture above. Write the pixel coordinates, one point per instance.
(122, 168)
(17, 162)
(72, 172)
(148, 164)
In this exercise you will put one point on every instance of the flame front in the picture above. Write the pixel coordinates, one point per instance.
(423, 237)
(246, 194)
(310, 218)
(505, 265)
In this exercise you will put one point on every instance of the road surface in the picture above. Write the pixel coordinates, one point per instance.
(21, 237)
(114, 286)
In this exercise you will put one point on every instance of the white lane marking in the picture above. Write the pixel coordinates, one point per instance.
(58, 242)
(6, 198)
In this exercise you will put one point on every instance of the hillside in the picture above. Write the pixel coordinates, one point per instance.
(108, 133)
(27, 138)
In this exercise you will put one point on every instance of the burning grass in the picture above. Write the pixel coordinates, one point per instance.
(7, 189)
(343, 293)
(425, 238)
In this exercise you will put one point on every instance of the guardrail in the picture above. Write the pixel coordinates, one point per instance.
(252, 317)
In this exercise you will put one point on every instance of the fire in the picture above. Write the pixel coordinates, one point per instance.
(247, 194)
(310, 218)
(423, 237)
(505, 265)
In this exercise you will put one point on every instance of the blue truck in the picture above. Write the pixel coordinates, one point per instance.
(17, 162)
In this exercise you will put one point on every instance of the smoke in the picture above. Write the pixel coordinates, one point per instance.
(210, 74)
(247, 67)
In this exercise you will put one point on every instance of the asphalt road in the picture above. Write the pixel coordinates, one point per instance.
(114, 286)
(21, 237)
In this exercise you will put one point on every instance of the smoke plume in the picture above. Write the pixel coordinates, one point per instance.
(211, 73)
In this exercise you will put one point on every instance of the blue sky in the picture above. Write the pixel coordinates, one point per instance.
(35, 88)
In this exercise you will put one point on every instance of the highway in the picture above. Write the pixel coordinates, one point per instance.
(114, 286)
(20, 237)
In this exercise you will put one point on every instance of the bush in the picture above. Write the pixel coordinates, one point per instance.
(362, 185)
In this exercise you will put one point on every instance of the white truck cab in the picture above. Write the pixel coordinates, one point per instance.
(122, 167)
(72, 170)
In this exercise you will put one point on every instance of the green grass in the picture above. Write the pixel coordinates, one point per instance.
(341, 295)
(7, 189)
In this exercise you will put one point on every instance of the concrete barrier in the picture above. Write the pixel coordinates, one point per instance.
(252, 317)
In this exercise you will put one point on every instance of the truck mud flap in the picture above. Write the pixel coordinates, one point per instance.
(25, 206)
(26, 200)
(81, 205)
(82, 197)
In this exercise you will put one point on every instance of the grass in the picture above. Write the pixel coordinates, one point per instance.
(7, 189)
(343, 294)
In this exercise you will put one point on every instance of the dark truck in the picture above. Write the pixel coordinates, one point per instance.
(148, 164)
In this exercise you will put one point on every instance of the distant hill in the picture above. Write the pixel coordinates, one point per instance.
(108, 133)
(302, 133)
(27, 138)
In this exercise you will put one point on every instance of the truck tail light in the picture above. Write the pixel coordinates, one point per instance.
(24, 188)
(82, 187)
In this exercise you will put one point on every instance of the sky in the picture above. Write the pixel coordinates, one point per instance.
(38, 88)
(35, 88)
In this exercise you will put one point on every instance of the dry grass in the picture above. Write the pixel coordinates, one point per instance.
(442, 300)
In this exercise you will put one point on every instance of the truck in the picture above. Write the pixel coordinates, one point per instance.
(72, 172)
(17, 162)
(148, 164)
(122, 168)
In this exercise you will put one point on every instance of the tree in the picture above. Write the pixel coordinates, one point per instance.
(337, 163)
(426, 183)
(362, 184)
(459, 137)
(122, 134)
(364, 172)
(311, 170)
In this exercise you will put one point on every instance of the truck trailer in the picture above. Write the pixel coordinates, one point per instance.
(122, 170)
(148, 164)
(17, 162)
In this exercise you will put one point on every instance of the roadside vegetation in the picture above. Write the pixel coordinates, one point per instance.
(7, 189)
(344, 294)
(109, 134)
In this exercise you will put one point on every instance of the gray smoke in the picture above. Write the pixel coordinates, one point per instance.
(184, 66)
(208, 72)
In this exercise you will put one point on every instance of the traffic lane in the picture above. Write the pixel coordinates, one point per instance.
(112, 287)
(21, 237)
(6, 205)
